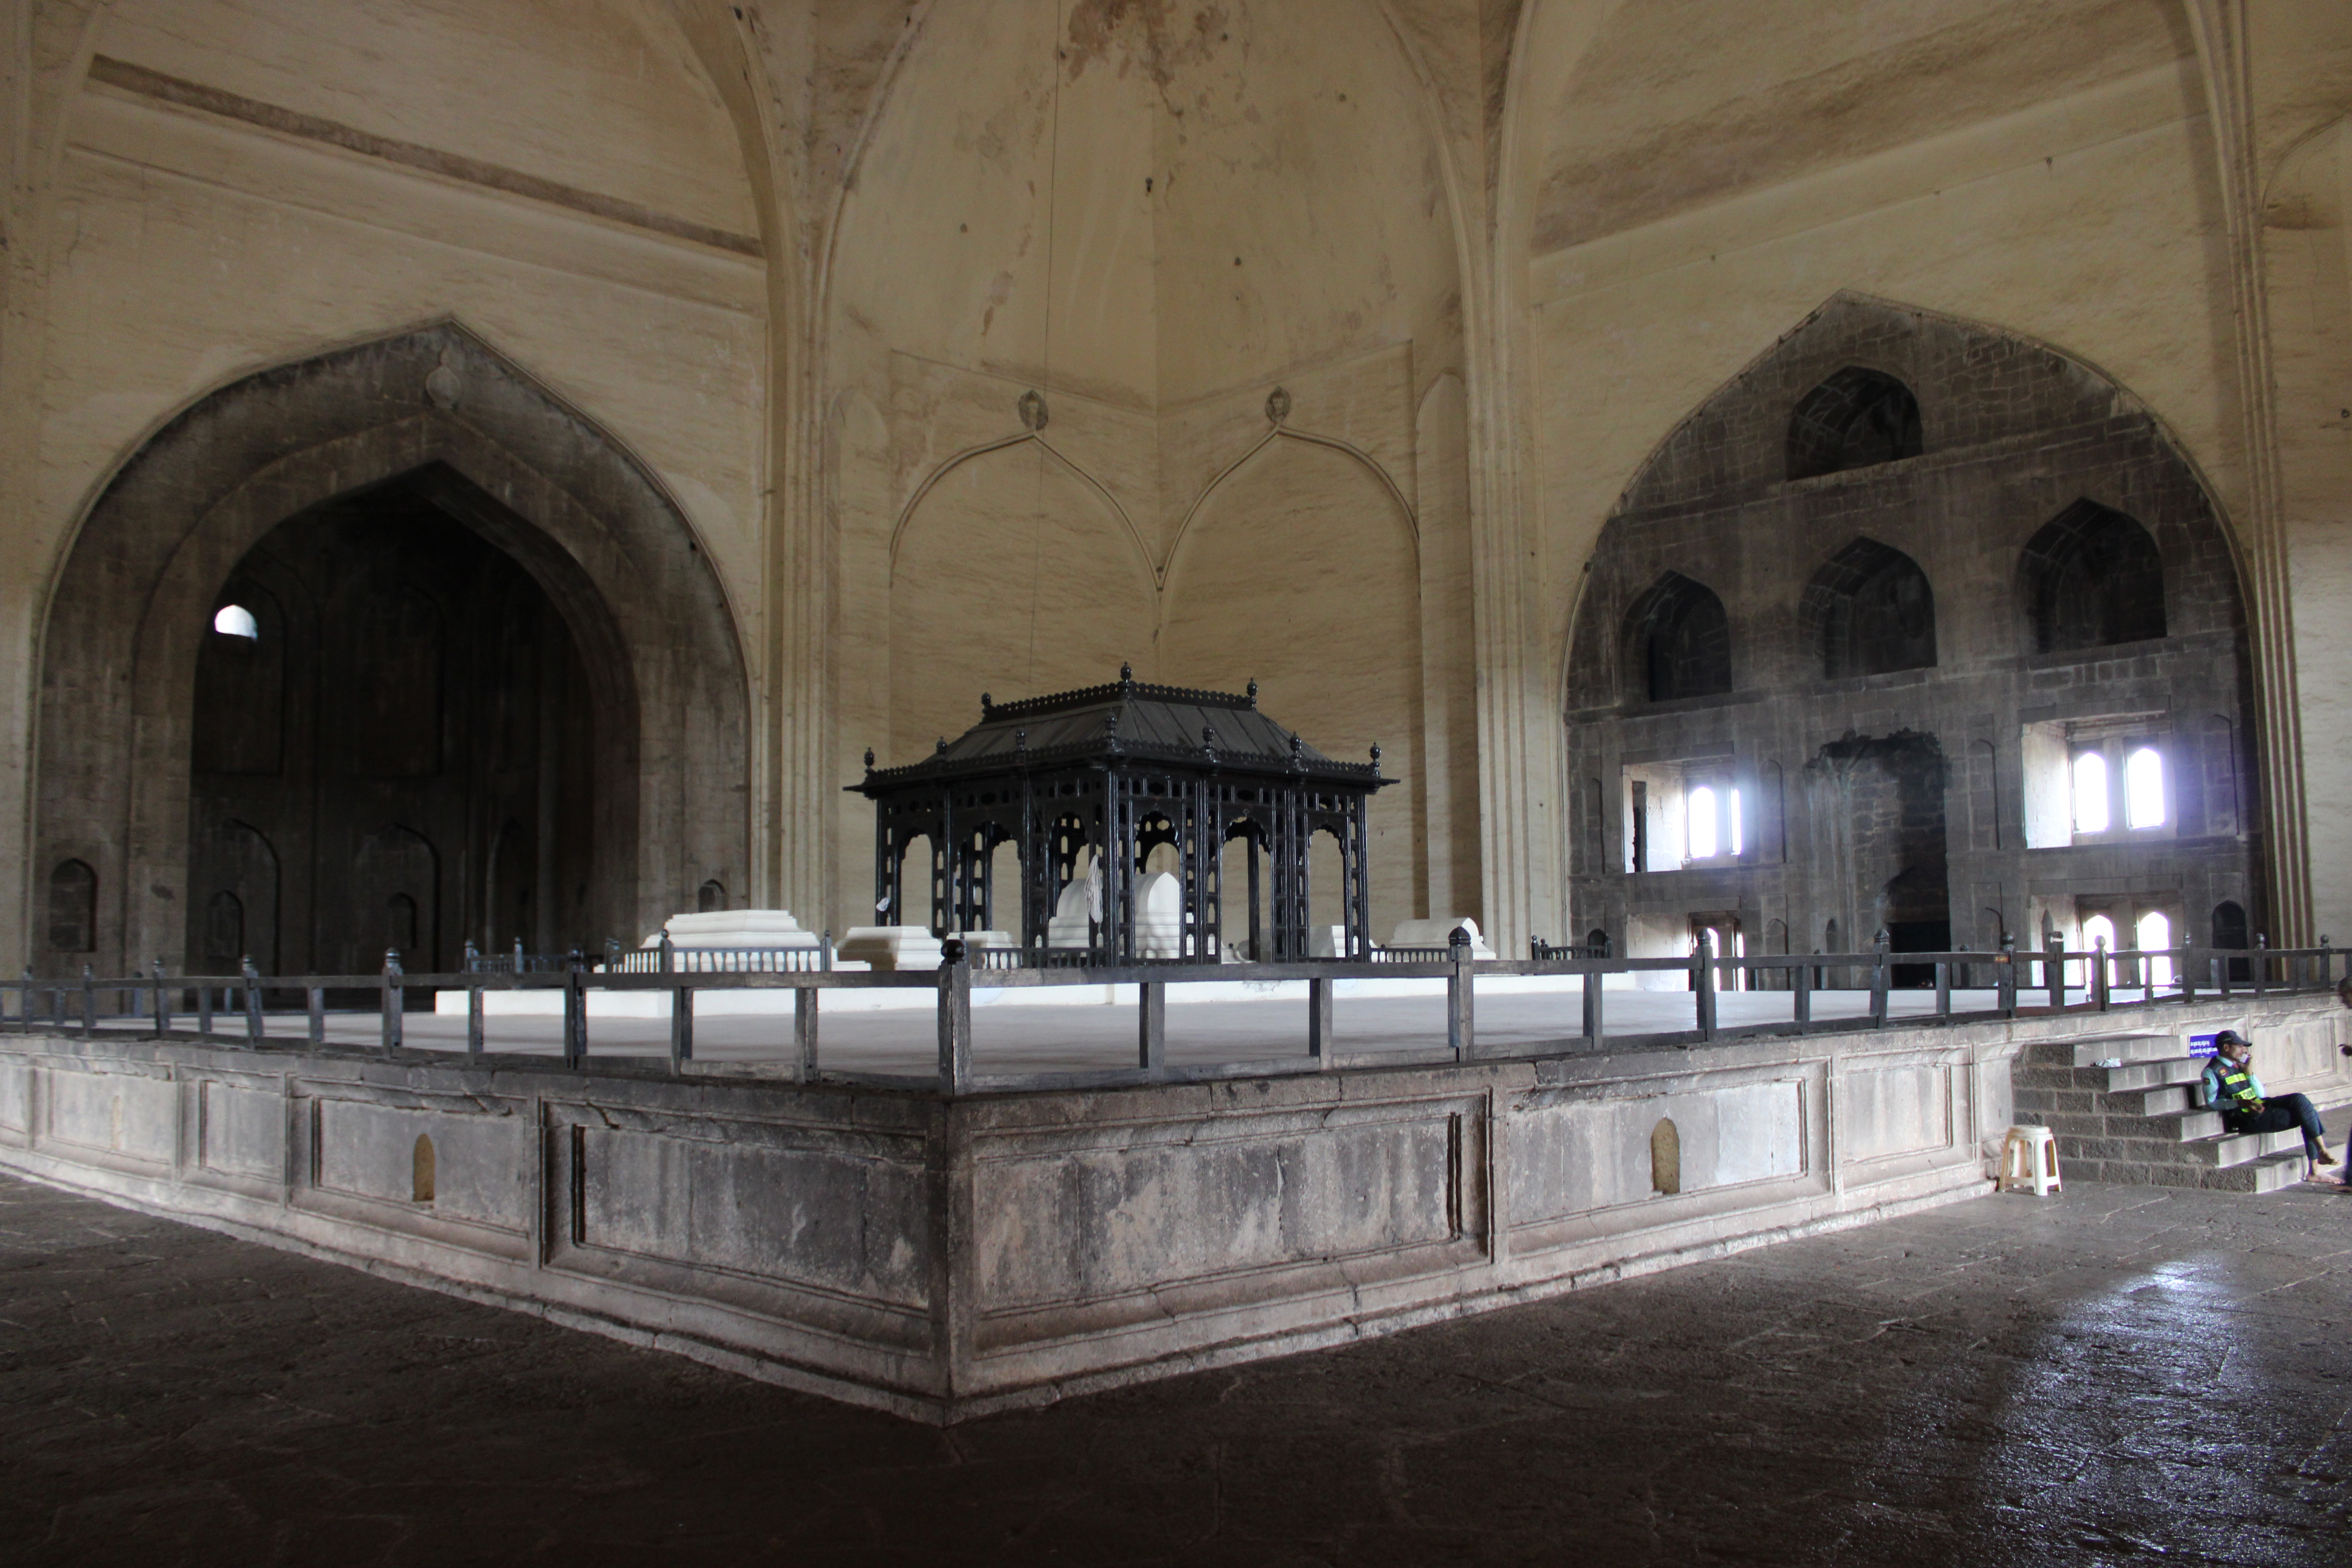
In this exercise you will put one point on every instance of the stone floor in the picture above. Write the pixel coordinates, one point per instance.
(2111, 1376)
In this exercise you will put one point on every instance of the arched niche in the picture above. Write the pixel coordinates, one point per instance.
(2092, 577)
(1677, 642)
(1873, 611)
(1013, 573)
(440, 412)
(1857, 418)
(1299, 570)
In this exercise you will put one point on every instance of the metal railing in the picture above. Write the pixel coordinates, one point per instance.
(238, 1008)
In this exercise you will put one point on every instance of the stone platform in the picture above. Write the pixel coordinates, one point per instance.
(945, 1255)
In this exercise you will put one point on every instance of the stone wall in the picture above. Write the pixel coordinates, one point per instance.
(941, 1257)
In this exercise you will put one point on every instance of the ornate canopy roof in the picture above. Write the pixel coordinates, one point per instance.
(1127, 722)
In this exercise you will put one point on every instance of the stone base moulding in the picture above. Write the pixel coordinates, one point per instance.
(943, 1256)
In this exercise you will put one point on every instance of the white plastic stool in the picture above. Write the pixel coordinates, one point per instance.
(2029, 1154)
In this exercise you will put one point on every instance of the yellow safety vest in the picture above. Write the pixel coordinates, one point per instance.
(2237, 1084)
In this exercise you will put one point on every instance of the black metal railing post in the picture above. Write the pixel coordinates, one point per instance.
(88, 1000)
(162, 1002)
(2261, 964)
(2100, 979)
(25, 1004)
(2004, 972)
(204, 1009)
(2053, 970)
(1703, 982)
(1461, 999)
(1944, 989)
(253, 1025)
(393, 1000)
(1595, 1001)
(1879, 946)
(1801, 995)
(2184, 971)
(314, 1003)
(955, 1017)
(575, 1009)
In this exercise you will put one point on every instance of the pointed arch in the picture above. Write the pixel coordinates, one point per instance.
(1871, 611)
(440, 410)
(2092, 577)
(1677, 642)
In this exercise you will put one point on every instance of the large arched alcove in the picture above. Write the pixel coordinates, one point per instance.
(395, 743)
(1879, 608)
(431, 420)
(1015, 574)
(1299, 572)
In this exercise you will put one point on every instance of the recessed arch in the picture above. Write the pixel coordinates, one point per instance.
(2092, 577)
(1855, 418)
(1075, 470)
(1677, 642)
(436, 409)
(1871, 611)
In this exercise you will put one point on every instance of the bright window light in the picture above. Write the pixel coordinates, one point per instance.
(2090, 794)
(1738, 828)
(1701, 824)
(2098, 931)
(236, 621)
(2155, 935)
(2143, 788)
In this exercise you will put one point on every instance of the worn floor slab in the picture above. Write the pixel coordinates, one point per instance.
(2101, 1377)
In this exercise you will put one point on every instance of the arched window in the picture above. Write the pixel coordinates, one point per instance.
(1677, 642)
(73, 907)
(2098, 931)
(1872, 610)
(236, 621)
(1704, 807)
(2091, 578)
(2154, 934)
(2143, 788)
(710, 896)
(2091, 809)
(1596, 944)
(1857, 419)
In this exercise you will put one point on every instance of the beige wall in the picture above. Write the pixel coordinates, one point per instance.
(186, 244)
(803, 258)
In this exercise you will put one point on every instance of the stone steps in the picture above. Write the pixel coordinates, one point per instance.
(2137, 1122)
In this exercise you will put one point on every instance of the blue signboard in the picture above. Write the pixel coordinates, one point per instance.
(2202, 1045)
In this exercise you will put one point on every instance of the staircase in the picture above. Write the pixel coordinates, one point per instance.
(2138, 1124)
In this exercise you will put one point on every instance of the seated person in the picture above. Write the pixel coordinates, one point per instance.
(2229, 1085)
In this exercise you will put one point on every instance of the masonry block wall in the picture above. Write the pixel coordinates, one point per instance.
(2006, 566)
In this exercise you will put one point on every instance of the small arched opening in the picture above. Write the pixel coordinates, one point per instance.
(1858, 419)
(1665, 1157)
(2233, 934)
(423, 1174)
(73, 907)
